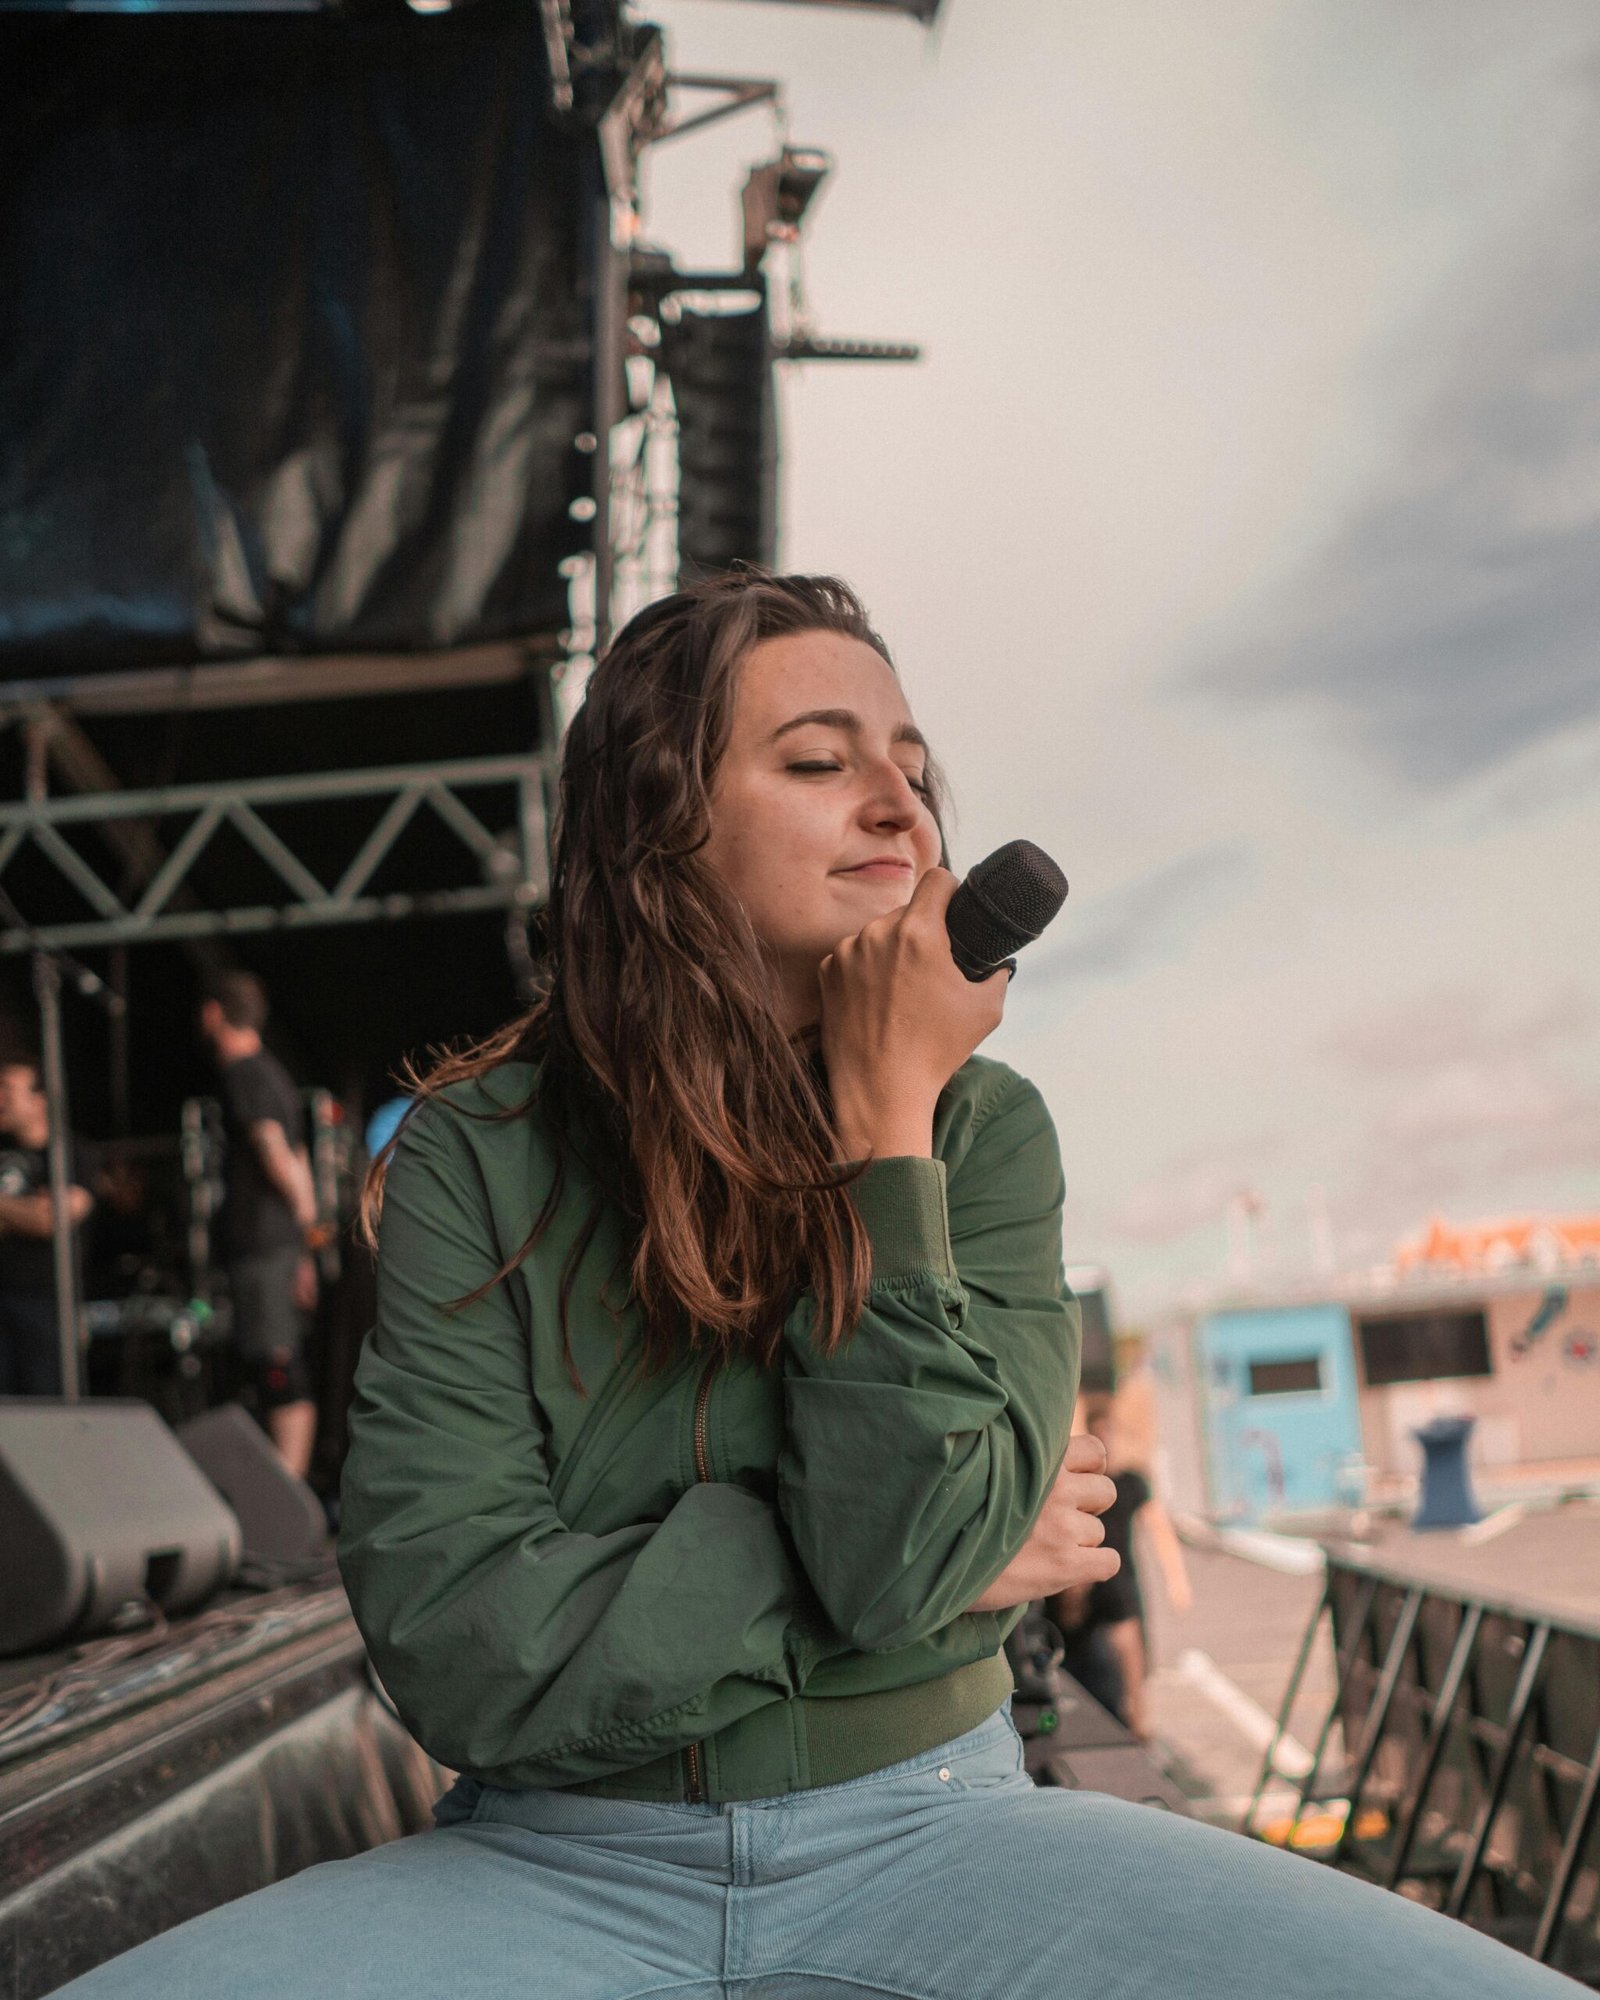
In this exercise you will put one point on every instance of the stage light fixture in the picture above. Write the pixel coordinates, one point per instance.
(777, 196)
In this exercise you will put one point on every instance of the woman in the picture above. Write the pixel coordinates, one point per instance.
(711, 1432)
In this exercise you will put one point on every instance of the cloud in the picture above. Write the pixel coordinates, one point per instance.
(1147, 923)
(1193, 1190)
(1455, 1028)
(1466, 1151)
(1477, 1120)
(1453, 620)
(1467, 1102)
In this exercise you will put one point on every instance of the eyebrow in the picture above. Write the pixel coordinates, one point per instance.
(847, 719)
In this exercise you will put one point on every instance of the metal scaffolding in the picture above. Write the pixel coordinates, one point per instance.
(511, 867)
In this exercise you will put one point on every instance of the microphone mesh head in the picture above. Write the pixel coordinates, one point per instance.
(1002, 905)
(1020, 888)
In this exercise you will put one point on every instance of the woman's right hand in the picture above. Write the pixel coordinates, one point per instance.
(899, 1018)
(1065, 1549)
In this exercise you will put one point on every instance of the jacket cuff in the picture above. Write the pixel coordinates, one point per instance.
(901, 1203)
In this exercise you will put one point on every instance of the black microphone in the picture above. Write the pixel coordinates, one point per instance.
(1002, 905)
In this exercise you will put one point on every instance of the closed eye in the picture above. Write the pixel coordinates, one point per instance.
(918, 784)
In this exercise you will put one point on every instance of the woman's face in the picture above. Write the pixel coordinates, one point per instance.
(818, 818)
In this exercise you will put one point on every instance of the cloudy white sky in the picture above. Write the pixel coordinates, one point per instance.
(1239, 542)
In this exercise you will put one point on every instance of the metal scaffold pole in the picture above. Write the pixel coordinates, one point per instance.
(47, 991)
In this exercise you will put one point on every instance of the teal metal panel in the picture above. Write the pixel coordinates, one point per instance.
(1283, 1426)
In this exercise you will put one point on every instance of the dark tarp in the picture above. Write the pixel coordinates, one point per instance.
(295, 335)
(245, 1746)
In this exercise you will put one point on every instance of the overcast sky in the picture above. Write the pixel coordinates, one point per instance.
(1238, 539)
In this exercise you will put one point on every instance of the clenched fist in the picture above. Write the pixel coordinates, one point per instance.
(899, 1018)
(1065, 1550)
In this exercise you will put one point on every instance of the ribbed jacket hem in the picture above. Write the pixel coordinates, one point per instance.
(814, 1741)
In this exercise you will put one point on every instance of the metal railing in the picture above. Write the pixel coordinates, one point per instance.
(1467, 1772)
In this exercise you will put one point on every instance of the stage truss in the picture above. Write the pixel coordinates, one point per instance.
(512, 864)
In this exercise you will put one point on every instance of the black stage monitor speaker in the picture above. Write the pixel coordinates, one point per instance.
(281, 1517)
(99, 1506)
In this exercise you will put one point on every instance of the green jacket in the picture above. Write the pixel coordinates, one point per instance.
(718, 1585)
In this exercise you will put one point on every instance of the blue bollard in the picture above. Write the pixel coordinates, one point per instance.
(1447, 1500)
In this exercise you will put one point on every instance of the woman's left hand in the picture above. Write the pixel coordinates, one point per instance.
(1066, 1549)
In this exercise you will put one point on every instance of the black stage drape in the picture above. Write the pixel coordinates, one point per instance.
(295, 335)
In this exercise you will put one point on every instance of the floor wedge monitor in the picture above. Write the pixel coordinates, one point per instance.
(281, 1518)
(101, 1508)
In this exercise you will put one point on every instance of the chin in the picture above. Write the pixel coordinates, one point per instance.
(877, 899)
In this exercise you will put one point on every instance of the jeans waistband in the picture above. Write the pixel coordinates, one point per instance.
(989, 1752)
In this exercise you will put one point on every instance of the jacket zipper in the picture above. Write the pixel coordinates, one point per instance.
(702, 1473)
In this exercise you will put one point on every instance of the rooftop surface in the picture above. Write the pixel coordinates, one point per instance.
(1220, 1669)
(1544, 1560)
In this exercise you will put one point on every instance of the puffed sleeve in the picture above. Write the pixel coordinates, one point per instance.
(510, 1644)
(921, 1452)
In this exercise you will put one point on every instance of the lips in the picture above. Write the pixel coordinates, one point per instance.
(885, 868)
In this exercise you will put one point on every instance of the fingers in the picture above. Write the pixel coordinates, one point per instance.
(1085, 1453)
(931, 896)
(1102, 1493)
(1081, 1568)
(1086, 1492)
(1082, 1480)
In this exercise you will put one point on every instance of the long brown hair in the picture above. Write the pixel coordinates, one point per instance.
(656, 1026)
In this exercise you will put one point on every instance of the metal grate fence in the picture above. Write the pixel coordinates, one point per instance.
(1458, 1761)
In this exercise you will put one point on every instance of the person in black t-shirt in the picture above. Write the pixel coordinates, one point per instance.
(30, 1352)
(268, 1207)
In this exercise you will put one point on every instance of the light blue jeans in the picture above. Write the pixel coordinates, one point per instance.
(948, 1877)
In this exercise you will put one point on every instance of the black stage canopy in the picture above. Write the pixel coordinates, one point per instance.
(295, 335)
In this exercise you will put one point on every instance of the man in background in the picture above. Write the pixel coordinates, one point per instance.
(30, 1350)
(269, 1207)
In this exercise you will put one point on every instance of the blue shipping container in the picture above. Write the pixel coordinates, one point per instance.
(1283, 1427)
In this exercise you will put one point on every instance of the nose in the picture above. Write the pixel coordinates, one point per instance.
(891, 799)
